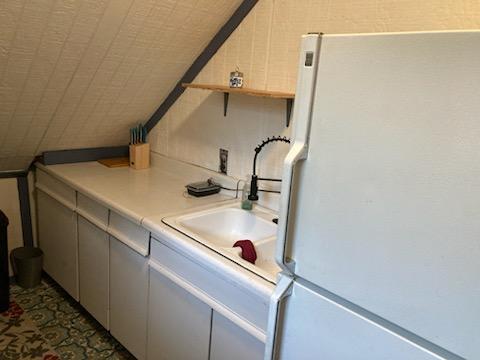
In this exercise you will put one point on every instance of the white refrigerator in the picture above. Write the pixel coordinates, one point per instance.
(379, 232)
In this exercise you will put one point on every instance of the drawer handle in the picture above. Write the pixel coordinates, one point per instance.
(54, 196)
(123, 239)
(91, 219)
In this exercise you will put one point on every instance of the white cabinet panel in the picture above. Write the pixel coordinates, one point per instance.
(131, 234)
(56, 188)
(233, 343)
(315, 327)
(179, 323)
(248, 308)
(92, 211)
(57, 234)
(128, 297)
(93, 249)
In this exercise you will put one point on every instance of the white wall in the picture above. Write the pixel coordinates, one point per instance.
(266, 49)
(10, 205)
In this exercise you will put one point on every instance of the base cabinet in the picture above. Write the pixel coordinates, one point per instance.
(128, 297)
(93, 254)
(233, 343)
(179, 323)
(57, 234)
(187, 317)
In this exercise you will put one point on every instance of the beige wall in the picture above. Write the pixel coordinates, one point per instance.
(266, 47)
(10, 206)
(79, 73)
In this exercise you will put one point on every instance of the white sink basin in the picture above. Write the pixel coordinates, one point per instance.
(220, 227)
(224, 226)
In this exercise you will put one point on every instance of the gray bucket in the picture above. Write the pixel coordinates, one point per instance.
(27, 265)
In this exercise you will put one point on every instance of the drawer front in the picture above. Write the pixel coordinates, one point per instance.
(129, 233)
(92, 211)
(56, 188)
(249, 311)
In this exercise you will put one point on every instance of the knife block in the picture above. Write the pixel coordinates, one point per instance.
(140, 156)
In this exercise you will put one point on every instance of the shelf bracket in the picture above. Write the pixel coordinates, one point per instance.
(289, 110)
(225, 103)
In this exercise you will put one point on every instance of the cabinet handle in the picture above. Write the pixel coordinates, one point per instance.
(123, 239)
(91, 219)
(202, 296)
(54, 196)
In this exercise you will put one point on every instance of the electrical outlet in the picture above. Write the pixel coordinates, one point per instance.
(223, 154)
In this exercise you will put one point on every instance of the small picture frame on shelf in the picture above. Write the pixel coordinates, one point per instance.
(236, 79)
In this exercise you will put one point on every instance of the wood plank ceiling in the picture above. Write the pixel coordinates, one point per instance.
(79, 73)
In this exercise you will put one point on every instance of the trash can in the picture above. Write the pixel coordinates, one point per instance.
(27, 265)
(4, 278)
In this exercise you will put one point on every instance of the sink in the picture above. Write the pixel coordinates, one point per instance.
(224, 226)
(221, 226)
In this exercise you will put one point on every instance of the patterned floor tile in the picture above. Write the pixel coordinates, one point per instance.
(21, 339)
(70, 330)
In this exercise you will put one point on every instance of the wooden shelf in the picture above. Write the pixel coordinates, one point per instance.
(245, 91)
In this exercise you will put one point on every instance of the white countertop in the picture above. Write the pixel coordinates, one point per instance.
(136, 194)
(147, 196)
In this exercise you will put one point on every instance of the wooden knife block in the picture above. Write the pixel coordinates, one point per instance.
(140, 156)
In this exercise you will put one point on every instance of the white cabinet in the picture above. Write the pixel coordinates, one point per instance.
(196, 314)
(128, 297)
(93, 254)
(233, 343)
(178, 323)
(57, 233)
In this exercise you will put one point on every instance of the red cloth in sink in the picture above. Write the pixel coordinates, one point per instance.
(248, 250)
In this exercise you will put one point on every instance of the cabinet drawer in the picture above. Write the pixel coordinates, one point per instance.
(56, 189)
(92, 211)
(240, 306)
(129, 233)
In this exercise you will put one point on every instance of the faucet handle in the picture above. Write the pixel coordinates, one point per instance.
(253, 189)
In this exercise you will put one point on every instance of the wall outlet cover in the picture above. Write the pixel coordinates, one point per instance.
(223, 154)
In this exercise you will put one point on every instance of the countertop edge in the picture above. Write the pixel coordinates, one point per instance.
(226, 268)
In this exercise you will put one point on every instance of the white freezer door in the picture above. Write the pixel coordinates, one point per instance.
(314, 327)
(385, 210)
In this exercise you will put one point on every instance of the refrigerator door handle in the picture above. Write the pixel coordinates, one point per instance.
(297, 152)
(283, 290)
(302, 111)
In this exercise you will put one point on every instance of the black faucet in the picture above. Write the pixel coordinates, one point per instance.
(254, 183)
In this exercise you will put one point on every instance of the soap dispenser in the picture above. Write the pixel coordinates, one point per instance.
(246, 203)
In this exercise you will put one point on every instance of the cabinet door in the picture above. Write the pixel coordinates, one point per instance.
(128, 297)
(231, 342)
(57, 234)
(178, 323)
(93, 249)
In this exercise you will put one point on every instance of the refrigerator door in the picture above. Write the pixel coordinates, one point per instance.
(314, 326)
(384, 211)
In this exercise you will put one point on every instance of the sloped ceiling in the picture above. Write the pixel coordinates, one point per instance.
(79, 73)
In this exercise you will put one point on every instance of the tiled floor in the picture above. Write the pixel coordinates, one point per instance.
(59, 325)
